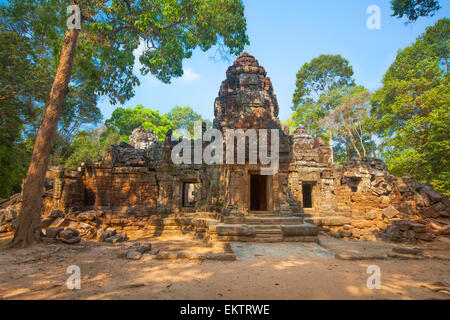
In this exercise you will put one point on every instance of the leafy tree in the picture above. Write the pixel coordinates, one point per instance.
(89, 145)
(16, 86)
(111, 31)
(184, 118)
(27, 88)
(413, 9)
(319, 88)
(412, 109)
(124, 121)
(352, 117)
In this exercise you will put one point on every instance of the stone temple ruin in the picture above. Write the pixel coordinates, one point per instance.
(137, 189)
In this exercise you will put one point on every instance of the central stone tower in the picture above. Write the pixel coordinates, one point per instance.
(246, 98)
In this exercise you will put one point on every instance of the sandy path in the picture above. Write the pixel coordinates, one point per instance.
(40, 273)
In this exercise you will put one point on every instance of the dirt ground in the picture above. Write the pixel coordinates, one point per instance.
(40, 273)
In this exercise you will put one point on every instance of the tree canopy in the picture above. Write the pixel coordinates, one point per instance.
(184, 118)
(320, 86)
(124, 121)
(168, 31)
(413, 9)
(412, 109)
(317, 89)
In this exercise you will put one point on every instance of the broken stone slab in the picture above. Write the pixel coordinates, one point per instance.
(133, 255)
(53, 232)
(359, 257)
(56, 214)
(405, 256)
(86, 216)
(71, 241)
(390, 212)
(433, 195)
(69, 233)
(46, 222)
(425, 236)
(116, 238)
(69, 236)
(306, 229)
(144, 248)
(233, 230)
(167, 255)
(405, 250)
(418, 227)
(7, 215)
(345, 233)
(102, 234)
(132, 286)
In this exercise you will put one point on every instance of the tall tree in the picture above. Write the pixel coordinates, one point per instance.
(413, 9)
(184, 118)
(39, 49)
(124, 121)
(352, 117)
(111, 31)
(318, 90)
(412, 109)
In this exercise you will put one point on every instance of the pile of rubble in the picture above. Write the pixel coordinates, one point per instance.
(8, 220)
(393, 208)
(67, 228)
(144, 150)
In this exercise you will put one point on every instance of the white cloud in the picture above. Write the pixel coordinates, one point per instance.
(189, 75)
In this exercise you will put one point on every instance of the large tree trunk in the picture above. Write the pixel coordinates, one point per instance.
(331, 147)
(29, 228)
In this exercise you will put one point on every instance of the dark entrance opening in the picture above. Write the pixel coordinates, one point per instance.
(188, 194)
(307, 195)
(258, 192)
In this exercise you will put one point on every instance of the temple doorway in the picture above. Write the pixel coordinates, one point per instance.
(307, 189)
(258, 192)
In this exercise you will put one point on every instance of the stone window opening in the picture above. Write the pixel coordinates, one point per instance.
(353, 184)
(307, 189)
(188, 194)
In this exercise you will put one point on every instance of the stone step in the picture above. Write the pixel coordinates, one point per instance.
(268, 239)
(267, 227)
(272, 220)
(268, 231)
(261, 213)
(305, 229)
(262, 220)
(328, 221)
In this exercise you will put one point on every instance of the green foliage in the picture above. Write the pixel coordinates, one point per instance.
(412, 109)
(16, 87)
(413, 9)
(124, 121)
(169, 31)
(350, 125)
(13, 163)
(184, 117)
(318, 90)
(90, 146)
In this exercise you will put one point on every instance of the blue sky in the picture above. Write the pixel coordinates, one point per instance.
(283, 36)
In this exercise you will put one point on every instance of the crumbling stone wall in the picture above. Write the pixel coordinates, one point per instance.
(136, 188)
